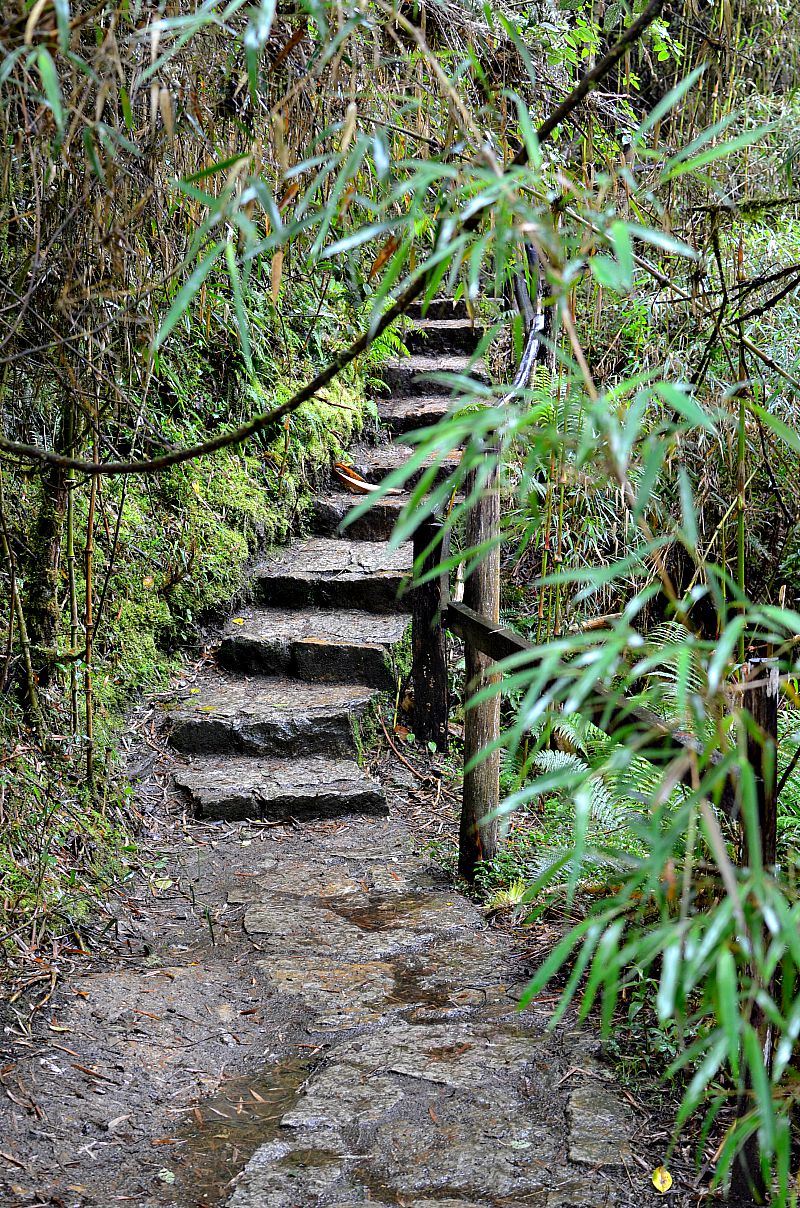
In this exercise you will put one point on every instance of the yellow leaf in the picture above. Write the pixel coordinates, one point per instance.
(662, 1179)
(387, 251)
(237, 620)
(194, 691)
(196, 488)
(276, 273)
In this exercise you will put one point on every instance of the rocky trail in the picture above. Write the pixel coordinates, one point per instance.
(298, 1010)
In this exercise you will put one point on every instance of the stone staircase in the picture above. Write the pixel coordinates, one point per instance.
(270, 732)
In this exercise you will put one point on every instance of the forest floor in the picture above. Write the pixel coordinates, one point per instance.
(295, 1015)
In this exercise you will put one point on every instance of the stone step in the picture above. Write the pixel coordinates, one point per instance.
(411, 374)
(439, 308)
(376, 462)
(335, 574)
(314, 644)
(271, 716)
(443, 336)
(376, 524)
(408, 413)
(306, 789)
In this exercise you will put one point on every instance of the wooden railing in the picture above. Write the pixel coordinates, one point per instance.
(486, 642)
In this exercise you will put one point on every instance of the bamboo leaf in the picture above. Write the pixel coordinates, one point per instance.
(238, 304)
(186, 294)
(50, 84)
(62, 21)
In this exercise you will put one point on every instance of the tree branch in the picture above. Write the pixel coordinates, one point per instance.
(237, 436)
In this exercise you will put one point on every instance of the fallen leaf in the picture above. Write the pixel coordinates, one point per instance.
(166, 1176)
(387, 251)
(662, 1179)
(237, 620)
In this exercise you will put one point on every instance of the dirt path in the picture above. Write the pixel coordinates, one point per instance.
(297, 1009)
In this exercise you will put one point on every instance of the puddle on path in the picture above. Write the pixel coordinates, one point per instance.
(228, 1128)
(382, 912)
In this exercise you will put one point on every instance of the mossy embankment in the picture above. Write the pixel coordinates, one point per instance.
(170, 554)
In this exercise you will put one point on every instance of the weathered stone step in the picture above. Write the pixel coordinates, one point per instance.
(315, 644)
(279, 790)
(335, 574)
(411, 375)
(374, 463)
(407, 413)
(376, 524)
(439, 308)
(268, 716)
(443, 335)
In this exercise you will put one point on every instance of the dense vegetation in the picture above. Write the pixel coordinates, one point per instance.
(203, 207)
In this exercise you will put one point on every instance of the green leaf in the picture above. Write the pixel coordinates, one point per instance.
(666, 243)
(728, 1005)
(557, 958)
(762, 1089)
(789, 436)
(671, 959)
(62, 21)
(621, 239)
(255, 38)
(238, 304)
(127, 113)
(713, 154)
(685, 405)
(50, 84)
(186, 294)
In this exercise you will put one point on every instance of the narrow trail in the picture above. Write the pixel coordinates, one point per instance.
(316, 1018)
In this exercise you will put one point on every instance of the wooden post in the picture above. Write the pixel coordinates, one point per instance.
(478, 837)
(747, 1181)
(429, 640)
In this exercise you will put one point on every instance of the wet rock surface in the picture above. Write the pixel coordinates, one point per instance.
(335, 573)
(279, 790)
(376, 462)
(433, 1088)
(273, 715)
(315, 644)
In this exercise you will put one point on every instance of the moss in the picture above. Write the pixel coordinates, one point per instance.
(366, 728)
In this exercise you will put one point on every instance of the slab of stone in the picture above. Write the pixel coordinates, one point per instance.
(238, 788)
(357, 927)
(412, 375)
(376, 524)
(443, 335)
(335, 574)
(601, 1125)
(376, 462)
(409, 413)
(424, 1115)
(320, 645)
(438, 308)
(267, 716)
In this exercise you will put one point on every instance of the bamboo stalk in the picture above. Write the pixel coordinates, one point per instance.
(88, 697)
(34, 706)
(72, 483)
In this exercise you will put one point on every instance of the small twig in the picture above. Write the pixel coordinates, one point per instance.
(419, 775)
